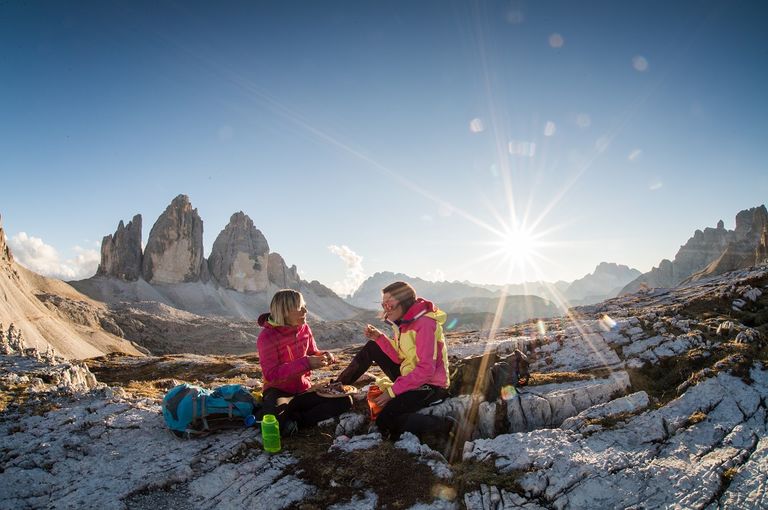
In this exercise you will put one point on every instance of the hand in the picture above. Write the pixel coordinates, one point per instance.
(382, 399)
(317, 362)
(329, 357)
(372, 332)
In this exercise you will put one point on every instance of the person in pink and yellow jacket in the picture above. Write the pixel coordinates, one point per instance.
(287, 355)
(415, 360)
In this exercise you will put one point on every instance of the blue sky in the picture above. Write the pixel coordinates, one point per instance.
(414, 134)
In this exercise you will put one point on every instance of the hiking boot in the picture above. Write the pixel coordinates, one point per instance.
(453, 450)
(289, 428)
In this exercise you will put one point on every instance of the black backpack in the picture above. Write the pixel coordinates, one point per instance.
(498, 372)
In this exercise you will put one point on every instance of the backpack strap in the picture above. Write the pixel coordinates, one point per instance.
(203, 414)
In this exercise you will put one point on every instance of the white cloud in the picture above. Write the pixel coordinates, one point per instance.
(35, 255)
(355, 274)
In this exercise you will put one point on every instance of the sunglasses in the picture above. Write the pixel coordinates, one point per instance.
(390, 305)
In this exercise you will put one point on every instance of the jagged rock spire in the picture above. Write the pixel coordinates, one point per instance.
(174, 252)
(239, 257)
(121, 251)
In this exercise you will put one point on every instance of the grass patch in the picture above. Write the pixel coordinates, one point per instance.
(695, 418)
(662, 379)
(152, 377)
(13, 394)
(538, 378)
(468, 476)
(609, 422)
(393, 474)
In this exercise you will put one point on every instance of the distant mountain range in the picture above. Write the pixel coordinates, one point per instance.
(552, 298)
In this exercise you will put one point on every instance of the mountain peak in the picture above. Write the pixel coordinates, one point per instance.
(174, 252)
(240, 256)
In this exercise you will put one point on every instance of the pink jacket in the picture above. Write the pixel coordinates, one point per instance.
(283, 352)
(419, 347)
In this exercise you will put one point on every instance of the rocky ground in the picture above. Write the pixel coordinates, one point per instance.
(654, 400)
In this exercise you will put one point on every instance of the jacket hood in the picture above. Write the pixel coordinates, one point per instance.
(423, 307)
(263, 320)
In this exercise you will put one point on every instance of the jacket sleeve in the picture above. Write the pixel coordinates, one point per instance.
(312, 349)
(271, 368)
(386, 346)
(425, 353)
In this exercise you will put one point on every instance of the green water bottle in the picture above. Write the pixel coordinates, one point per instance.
(270, 433)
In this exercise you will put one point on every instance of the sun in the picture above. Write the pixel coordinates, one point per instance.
(519, 245)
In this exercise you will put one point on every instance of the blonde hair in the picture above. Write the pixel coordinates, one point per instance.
(283, 302)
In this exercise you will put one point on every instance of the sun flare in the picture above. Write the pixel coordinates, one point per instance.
(519, 245)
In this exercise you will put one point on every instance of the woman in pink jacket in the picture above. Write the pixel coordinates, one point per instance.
(287, 355)
(415, 360)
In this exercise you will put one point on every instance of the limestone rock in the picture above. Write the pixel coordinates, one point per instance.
(239, 258)
(174, 252)
(280, 274)
(121, 251)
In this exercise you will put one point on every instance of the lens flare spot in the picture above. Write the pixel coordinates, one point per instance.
(583, 120)
(476, 125)
(607, 323)
(556, 40)
(508, 392)
(515, 17)
(550, 128)
(541, 327)
(522, 148)
(452, 323)
(634, 155)
(640, 63)
(657, 184)
(443, 492)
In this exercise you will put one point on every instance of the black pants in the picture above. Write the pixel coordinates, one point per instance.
(306, 409)
(399, 415)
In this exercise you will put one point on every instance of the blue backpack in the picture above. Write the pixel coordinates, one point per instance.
(194, 411)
